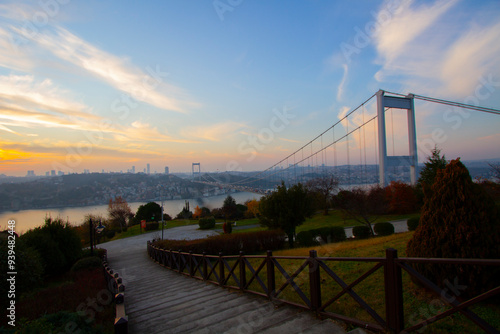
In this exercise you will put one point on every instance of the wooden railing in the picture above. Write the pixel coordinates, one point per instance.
(240, 274)
(117, 289)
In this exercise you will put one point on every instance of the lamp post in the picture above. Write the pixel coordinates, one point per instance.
(161, 195)
(92, 231)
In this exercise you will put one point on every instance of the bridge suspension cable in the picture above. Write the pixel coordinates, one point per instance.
(255, 178)
(451, 103)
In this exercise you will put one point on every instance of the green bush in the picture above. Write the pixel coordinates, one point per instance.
(412, 223)
(86, 263)
(306, 239)
(57, 243)
(227, 227)
(229, 244)
(206, 223)
(337, 234)
(361, 232)
(110, 234)
(58, 323)
(100, 252)
(323, 232)
(383, 228)
(152, 226)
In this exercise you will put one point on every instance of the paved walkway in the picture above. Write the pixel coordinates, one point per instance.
(158, 300)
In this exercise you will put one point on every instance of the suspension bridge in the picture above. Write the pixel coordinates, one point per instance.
(370, 144)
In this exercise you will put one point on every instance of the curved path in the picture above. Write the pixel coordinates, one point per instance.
(158, 300)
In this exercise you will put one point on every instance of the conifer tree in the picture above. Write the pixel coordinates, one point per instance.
(459, 220)
(434, 163)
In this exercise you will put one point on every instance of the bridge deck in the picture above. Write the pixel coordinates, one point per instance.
(161, 301)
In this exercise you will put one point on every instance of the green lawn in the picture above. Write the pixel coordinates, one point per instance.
(334, 218)
(419, 304)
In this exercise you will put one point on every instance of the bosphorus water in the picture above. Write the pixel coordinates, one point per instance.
(27, 219)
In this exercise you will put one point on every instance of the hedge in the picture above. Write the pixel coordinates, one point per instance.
(86, 263)
(151, 226)
(412, 223)
(361, 232)
(229, 244)
(383, 228)
(206, 223)
(306, 238)
(335, 233)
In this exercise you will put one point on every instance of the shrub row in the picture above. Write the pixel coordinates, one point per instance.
(229, 244)
(206, 223)
(327, 234)
(383, 228)
(152, 226)
(412, 223)
(361, 232)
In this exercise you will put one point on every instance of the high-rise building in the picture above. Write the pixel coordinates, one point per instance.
(31, 173)
(166, 170)
(148, 168)
(133, 169)
(52, 173)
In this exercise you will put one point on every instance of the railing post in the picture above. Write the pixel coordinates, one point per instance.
(222, 274)
(205, 267)
(170, 259)
(393, 292)
(243, 276)
(271, 281)
(191, 266)
(314, 281)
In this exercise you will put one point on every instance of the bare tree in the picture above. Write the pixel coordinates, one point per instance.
(119, 212)
(324, 188)
(364, 206)
(496, 170)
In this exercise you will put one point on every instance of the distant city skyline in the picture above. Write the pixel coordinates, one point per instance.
(115, 86)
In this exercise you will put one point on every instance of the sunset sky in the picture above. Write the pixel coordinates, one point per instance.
(107, 85)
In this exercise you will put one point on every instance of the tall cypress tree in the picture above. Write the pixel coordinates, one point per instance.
(459, 220)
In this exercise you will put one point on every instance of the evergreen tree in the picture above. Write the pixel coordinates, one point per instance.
(435, 162)
(150, 212)
(285, 209)
(459, 220)
(229, 208)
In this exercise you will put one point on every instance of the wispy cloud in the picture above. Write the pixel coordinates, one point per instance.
(429, 51)
(340, 88)
(149, 85)
(406, 25)
(214, 132)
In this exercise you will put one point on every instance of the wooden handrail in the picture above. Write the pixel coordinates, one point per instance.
(213, 269)
(117, 289)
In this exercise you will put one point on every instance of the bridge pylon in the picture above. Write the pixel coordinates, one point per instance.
(196, 171)
(386, 161)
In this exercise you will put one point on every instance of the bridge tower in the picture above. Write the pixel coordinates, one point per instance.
(386, 161)
(196, 171)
